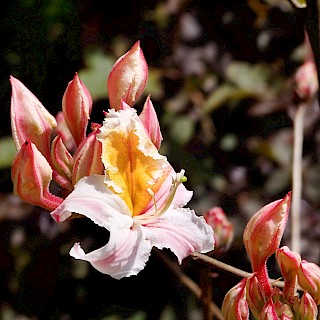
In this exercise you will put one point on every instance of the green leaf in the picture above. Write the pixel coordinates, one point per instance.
(7, 152)
(222, 95)
(182, 129)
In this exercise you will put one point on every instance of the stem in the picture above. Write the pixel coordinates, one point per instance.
(187, 282)
(263, 278)
(297, 178)
(230, 269)
(206, 285)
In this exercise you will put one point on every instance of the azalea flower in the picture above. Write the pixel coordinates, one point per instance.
(140, 200)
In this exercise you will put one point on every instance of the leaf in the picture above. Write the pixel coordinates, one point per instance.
(222, 95)
(182, 129)
(7, 152)
(251, 77)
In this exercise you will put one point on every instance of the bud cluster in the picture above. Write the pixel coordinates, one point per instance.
(63, 149)
(256, 296)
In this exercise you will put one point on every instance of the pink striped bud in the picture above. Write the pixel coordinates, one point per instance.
(87, 159)
(269, 311)
(31, 175)
(151, 124)
(309, 279)
(262, 236)
(62, 162)
(289, 262)
(254, 295)
(305, 308)
(222, 227)
(234, 305)
(306, 81)
(76, 107)
(30, 120)
(64, 132)
(128, 78)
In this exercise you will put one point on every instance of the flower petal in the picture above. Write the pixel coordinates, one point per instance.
(127, 250)
(132, 162)
(124, 255)
(94, 200)
(182, 231)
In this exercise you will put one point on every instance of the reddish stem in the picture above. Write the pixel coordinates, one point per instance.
(263, 278)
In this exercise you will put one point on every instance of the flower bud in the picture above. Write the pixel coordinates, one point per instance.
(269, 311)
(222, 227)
(150, 122)
(289, 262)
(64, 132)
(128, 78)
(309, 279)
(31, 175)
(76, 107)
(62, 161)
(305, 308)
(306, 80)
(254, 295)
(30, 119)
(234, 305)
(263, 232)
(87, 159)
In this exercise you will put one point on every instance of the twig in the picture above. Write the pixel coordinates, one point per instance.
(297, 178)
(187, 282)
(230, 269)
(206, 286)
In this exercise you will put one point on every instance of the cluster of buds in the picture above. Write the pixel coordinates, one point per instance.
(255, 296)
(59, 151)
(222, 227)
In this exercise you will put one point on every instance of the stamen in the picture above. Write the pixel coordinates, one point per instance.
(153, 215)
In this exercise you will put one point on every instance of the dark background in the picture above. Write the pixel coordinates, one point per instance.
(221, 82)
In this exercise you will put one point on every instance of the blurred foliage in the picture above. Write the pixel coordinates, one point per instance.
(220, 78)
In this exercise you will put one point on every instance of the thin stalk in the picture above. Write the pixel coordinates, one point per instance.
(297, 178)
(188, 282)
(230, 269)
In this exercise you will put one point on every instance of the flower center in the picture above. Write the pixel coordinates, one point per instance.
(157, 212)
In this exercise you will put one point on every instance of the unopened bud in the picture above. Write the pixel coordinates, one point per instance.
(222, 227)
(309, 279)
(128, 78)
(235, 305)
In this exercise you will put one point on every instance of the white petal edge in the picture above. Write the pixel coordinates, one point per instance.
(182, 231)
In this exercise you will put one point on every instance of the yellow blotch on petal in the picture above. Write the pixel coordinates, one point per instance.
(132, 166)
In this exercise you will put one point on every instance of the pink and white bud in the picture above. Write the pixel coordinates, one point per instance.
(150, 122)
(306, 81)
(269, 311)
(254, 295)
(30, 120)
(87, 159)
(222, 227)
(309, 279)
(31, 175)
(262, 236)
(289, 262)
(128, 78)
(283, 310)
(235, 305)
(76, 107)
(62, 161)
(64, 132)
(305, 308)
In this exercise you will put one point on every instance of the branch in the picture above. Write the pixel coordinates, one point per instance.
(187, 282)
